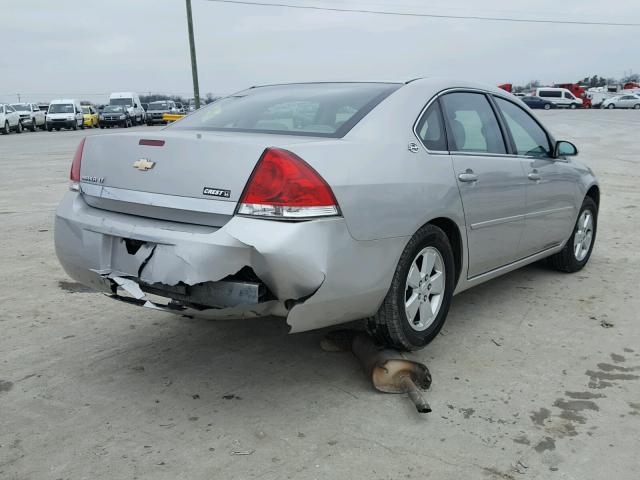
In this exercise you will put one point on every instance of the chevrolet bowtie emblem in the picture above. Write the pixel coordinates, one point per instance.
(143, 164)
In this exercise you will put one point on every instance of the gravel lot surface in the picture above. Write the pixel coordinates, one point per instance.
(536, 374)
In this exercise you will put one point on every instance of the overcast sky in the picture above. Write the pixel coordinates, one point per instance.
(87, 49)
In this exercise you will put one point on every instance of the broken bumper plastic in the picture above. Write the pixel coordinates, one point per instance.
(318, 274)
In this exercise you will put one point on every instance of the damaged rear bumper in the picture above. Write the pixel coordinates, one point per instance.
(314, 273)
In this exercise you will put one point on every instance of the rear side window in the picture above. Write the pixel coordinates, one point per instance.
(430, 129)
(529, 137)
(550, 93)
(472, 124)
(314, 109)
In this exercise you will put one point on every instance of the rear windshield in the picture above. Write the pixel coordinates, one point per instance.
(320, 109)
(61, 108)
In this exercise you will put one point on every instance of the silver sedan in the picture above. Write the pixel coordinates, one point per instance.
(327, 202)
(622, 101)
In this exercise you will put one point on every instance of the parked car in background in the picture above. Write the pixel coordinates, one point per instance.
(65, 113)
(137, 114)
(90, 116)
(157, 109)
(561, 97)
(30, 115)
(145, 106)
(180, 108)
(9, 120)
(249, 208)
(622, 101)
(537, 102)
(44, 107)
(115, 116)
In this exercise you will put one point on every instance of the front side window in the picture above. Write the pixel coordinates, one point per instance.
(430, 129)
(529, 137)
(10, 109)
(473, 125)
(550, 93)
(314, 109)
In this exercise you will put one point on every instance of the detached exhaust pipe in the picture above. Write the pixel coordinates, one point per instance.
(389, 371)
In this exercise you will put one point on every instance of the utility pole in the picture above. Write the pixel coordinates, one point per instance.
(18, 97)
(194, 66)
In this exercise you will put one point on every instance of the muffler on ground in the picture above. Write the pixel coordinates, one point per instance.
(388, 370)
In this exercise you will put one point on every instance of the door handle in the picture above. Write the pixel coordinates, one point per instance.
(468, 176)
(535, 176)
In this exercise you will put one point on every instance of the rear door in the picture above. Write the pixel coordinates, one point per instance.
(491, 182)
(551, 185)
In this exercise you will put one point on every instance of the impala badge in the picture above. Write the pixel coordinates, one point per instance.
(143, 164)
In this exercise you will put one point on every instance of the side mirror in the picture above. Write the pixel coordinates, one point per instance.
(565, 149)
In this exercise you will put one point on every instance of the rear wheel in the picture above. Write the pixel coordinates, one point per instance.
(418, 300)
(576, 253)
(637, 106)
(611, 106)
(547, 106)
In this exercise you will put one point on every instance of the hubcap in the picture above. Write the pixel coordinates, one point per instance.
(424, 289)
(583, 235)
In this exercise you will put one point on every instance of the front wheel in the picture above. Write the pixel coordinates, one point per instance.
(6, 129)
(33, 125)
(576, 253)
(19, 127)
(573, 106)
(636, 106)
(418, 300)
(547, 106)
(611, 106)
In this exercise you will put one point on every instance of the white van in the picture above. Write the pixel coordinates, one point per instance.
(136, 112)
(64, 113)
(561, 97)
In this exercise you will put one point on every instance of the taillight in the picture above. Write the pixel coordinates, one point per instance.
(283, 185)
(75, 168)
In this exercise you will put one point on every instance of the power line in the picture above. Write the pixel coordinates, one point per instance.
(431, 15)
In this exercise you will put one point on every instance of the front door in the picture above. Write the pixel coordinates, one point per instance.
(552, 186)
(491, 183)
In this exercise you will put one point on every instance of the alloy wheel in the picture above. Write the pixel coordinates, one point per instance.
(583, 235)
(424, 289)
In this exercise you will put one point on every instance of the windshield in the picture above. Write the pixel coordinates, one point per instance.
(320, 109)
(21, 108)
(114, 108)
(61, 108)
(86, 109)
(158, 106)
(121, 101)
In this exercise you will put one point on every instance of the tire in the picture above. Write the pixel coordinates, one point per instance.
(573, 106)
(49, 129)
(33, 125)
(567, 260)
(391, 326)
(636, 106)
(547, 106)
(611, 106)
(6, 129)
(19, 127)
(75, 126)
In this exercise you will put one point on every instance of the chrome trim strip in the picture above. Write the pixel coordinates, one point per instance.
(547, 212)
(497, 221)
(160, 200)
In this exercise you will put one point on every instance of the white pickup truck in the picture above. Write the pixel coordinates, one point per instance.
(9, 119)
(30, 115)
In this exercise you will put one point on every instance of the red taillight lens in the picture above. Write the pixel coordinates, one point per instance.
(75, 165)
(283, 185)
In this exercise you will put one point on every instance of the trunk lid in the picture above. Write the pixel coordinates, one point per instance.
(193, 177)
